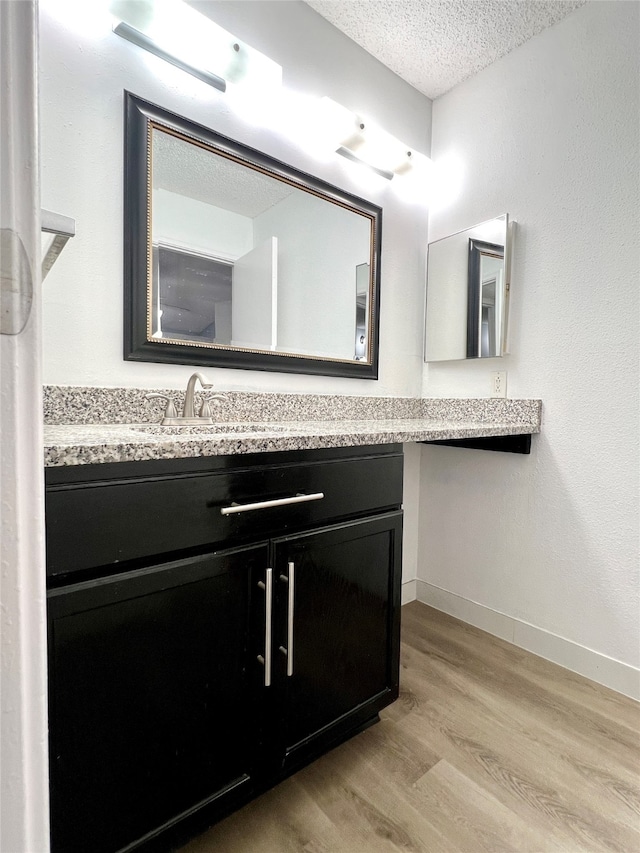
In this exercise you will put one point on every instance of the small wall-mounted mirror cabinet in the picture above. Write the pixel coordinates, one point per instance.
(233, 259)
(468, 288)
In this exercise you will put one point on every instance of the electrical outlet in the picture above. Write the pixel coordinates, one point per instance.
(499, 383)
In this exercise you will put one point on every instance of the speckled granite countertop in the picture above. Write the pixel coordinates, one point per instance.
(94, 425)
(81, 444)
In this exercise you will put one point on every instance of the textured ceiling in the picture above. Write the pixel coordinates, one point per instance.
(186, 169)
(435, 44)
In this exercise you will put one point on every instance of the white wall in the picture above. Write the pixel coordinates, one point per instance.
(81, 99)
(550, 133)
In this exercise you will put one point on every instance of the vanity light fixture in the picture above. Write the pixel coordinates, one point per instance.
(177, 33)
(362, 141)
(344, 151)
(141, 40)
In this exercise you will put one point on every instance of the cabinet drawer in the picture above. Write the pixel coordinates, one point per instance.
(93, 524)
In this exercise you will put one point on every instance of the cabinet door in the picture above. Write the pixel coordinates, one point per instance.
(345, 608)
(151, 674)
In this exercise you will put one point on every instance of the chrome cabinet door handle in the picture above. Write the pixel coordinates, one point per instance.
(294, 499)
(291, 580)
(267, 586)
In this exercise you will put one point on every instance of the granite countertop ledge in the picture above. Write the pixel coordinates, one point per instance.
(89, 444)
(80, 428)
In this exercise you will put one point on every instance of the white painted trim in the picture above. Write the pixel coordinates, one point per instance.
(24, 797)
(611, 673)
(408, 591)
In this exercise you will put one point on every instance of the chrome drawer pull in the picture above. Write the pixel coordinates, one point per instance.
(296, 499)
(267, 586)
(288, 651)
(291, 580)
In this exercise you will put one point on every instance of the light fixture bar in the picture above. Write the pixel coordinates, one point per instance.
(345, 152)
(126, 31)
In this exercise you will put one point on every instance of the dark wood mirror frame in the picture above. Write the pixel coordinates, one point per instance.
(140, 118)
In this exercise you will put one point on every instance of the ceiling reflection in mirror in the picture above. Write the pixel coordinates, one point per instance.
(248, 262)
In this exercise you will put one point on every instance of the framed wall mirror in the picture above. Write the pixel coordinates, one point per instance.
(468, 289)
(234, 259)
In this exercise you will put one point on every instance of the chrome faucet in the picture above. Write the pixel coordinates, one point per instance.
(188, 416)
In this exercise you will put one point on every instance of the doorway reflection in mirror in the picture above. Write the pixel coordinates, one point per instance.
(468, 286)
(240, 258)
(485, 299)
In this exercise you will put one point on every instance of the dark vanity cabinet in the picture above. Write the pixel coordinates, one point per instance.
(343, 601)
(196, 658)
(151, 709)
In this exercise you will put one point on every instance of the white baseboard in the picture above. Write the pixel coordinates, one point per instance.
(409, 591)
(598, 667)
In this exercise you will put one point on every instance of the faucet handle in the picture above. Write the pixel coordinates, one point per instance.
(170, 411)
(205, 411)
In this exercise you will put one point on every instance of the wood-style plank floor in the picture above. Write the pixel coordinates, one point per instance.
(488, 748)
